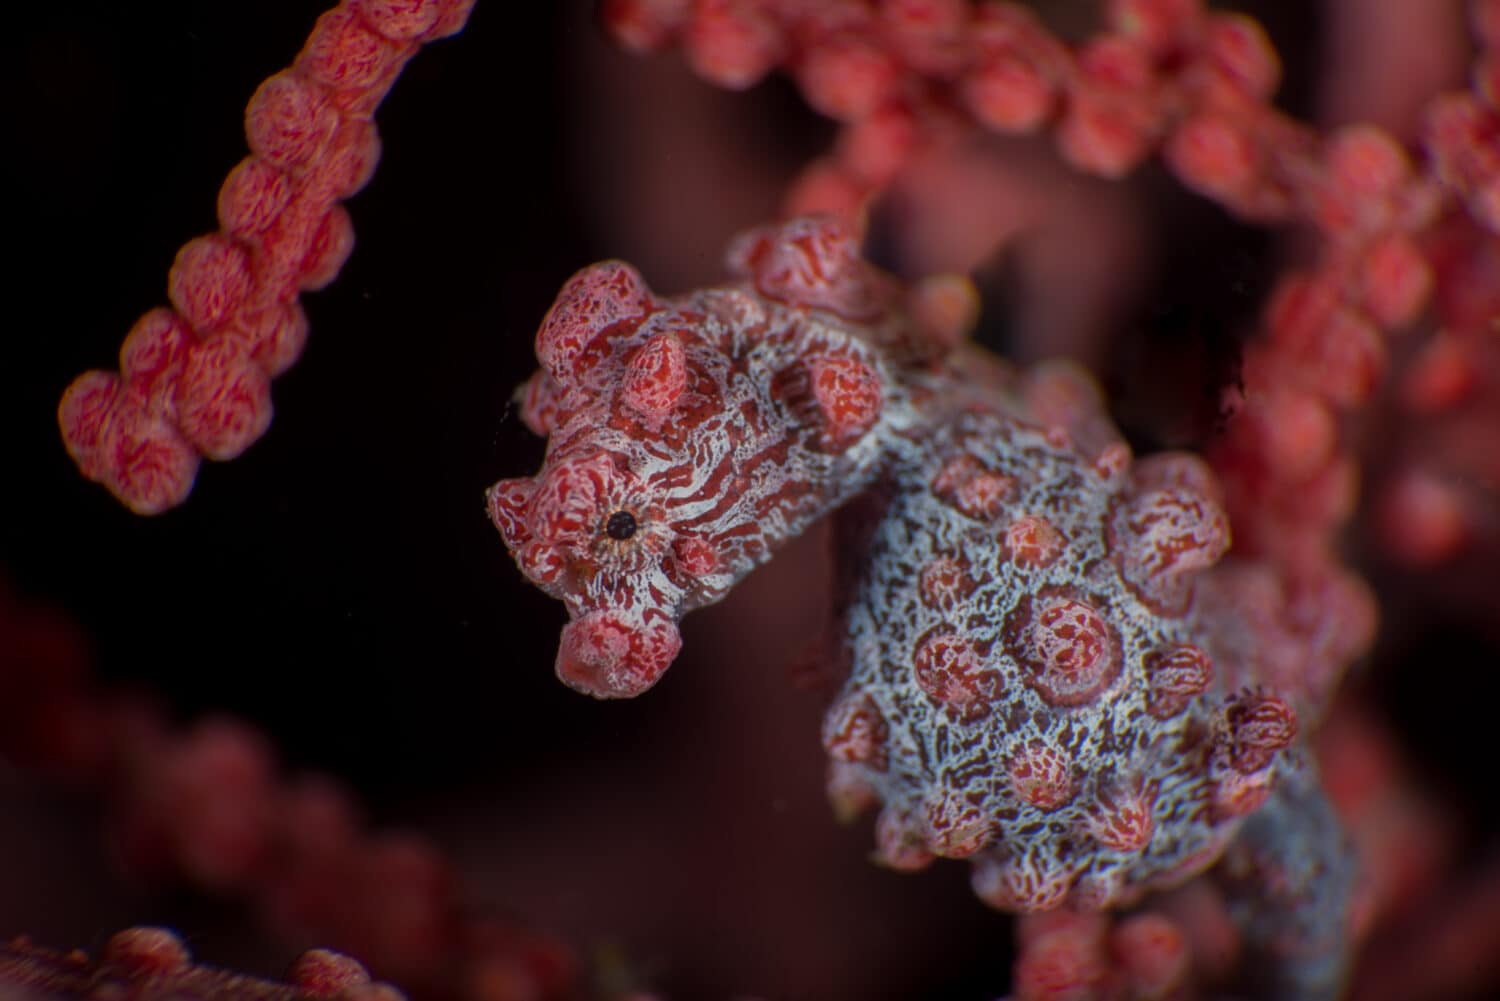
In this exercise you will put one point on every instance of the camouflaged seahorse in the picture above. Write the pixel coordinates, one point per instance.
(1032, 681)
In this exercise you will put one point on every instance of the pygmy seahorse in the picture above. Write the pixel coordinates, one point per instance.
(1031, 677)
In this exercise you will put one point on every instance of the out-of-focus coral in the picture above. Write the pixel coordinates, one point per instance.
(194, 380)
(206, 808)
(152, 964)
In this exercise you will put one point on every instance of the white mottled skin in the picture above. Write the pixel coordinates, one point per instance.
(1111, 740)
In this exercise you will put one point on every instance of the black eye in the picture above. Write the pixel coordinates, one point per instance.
(621, 525)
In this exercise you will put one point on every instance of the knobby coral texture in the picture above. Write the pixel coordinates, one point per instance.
(151, 963)
(1108, 669)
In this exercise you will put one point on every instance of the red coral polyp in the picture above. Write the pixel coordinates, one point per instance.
(611, 655)
(1072, 652)
(595, 300)
(951, 670)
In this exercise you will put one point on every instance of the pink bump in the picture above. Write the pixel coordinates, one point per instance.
(85, 410)
(409, 922)
(1214, 155)
(900, 841)
(144, 461)
(568, 502)
(1121, 819)
(849, 791)
(948, 667)
(1174, 676)
(1113, 461)
(972, 488)
(1237, 794)
(696, 556)
(642, 26)
(1042, 776)
(1096, 138)
(328, 251)
(209, 281)
(223, 399)
(655, 376)
(1009, 93)
(944, 307)
(1064, 964)
(929, 35)
(826, 187)
(1178, 470)
(876, 148)
(1174, 532)
(1299, 434)
(944, 583)
(1117, 64)
(1259, 726)
(956, 827)
(1033, 542)
(1396, 280)
(541, 562)
(274, 337)
(401, 20)
(1156, 24)
(1153, 953)
(983, 497)
(1072, 654)
(288, 120)
(1239, 48)
(1442, 375)
(539, 403)
(220, 782)
(1366, 162)
(252, 196)
(1101, 889)
(732, 43)
(1025, 884)
(955, 471)
(280, 252)
(344, 52)
(1310, 323)
(451, 20)
(847, 78)
(322, 974)
(593, 301)
(146, 952)
(153, 357)
(348, 162)
(509, 503)
(847, 392)
(812, 262)
(1163, 538)
(855, 731)
(1424, 520)
(610, 655)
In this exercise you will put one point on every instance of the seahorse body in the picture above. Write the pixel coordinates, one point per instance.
(1031, 679)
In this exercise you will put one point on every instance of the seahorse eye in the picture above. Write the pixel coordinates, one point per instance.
(621, 525)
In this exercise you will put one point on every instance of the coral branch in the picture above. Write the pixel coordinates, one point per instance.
(152, 964)
(195, 380)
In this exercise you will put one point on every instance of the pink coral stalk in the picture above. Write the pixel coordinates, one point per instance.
(195, 380)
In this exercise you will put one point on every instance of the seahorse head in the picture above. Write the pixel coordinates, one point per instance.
(686, 439)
